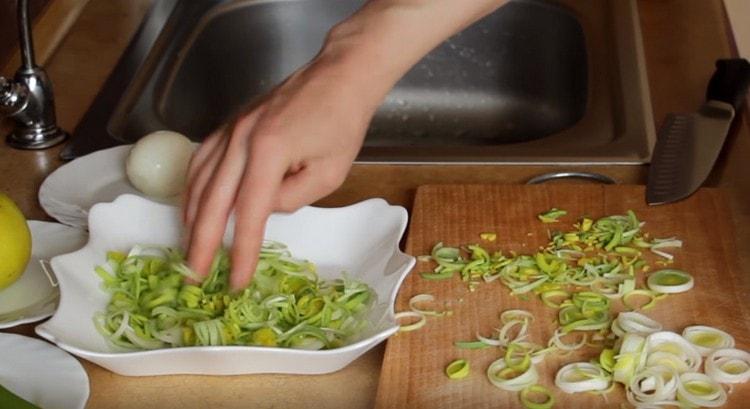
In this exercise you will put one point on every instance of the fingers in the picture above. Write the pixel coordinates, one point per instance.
(198, 183)
(310, 184)
(217, 198)
(260, 187)
(197, 163)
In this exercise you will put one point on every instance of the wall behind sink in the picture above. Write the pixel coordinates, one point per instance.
(8, 28)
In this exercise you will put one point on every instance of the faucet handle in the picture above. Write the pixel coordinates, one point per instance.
(13, 97)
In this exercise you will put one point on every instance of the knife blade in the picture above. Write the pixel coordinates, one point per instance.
(689, 144)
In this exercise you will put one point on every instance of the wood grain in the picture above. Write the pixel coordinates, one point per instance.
(412, 374)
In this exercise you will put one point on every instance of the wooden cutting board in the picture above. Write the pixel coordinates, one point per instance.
(412, 375)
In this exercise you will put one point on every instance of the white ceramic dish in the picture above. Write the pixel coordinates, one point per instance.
(42, 374)
(361, 239)
(34, 296)
(68, 193)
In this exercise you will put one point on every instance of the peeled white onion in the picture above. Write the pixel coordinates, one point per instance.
(158, 163)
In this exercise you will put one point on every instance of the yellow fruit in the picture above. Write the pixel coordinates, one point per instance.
(15, 242)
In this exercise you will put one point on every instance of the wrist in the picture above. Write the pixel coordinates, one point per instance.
(353, 61)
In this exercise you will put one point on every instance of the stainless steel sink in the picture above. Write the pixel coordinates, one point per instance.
(535, 82)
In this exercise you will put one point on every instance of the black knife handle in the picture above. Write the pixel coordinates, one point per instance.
(730, 82)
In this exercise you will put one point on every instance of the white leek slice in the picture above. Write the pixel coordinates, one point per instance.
(667, 360)
(404, 315)
(728, 366)
(707, 339)
(535, 351)
(616, 329)
(634, 322)
(505, 335)
(656, 385)
(422, 299)
(582, 377)
(665, 341)
(671, 242)
(516, 315)
(651, 295)
(698, 389)
(489, 341)
(630, 359)
(556, 341)
(670, 281)
(509, 379)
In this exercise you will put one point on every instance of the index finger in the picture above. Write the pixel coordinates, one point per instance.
(257, 198)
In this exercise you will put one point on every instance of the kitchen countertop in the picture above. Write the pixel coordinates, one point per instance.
(682, 39)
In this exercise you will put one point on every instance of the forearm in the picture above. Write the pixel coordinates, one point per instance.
(383, 40)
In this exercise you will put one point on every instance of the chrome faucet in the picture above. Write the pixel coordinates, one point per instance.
(28, 98)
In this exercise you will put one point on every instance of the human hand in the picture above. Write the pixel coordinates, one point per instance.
(292, 148)
(296, 145)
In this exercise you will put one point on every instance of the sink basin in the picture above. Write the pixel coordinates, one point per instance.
(534, 82)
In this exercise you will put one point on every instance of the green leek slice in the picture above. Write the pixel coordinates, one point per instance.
(551, 215)
(527, 402)
(457, 369)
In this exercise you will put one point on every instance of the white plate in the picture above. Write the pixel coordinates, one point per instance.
(34, 297)
(68, 193)
(361, 239)
(42, 374)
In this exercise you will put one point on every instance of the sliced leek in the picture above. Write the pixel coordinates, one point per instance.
(670, 281)
(697, 389)
(425, 299)
(634, 322)
(286, 304)
(630, 359)
(516, 315)
(412, 325)
(488, 236)
(509, 379)
(665, 341)
(557, 342)
(457, 369)
(582, 377)
(529, 403)
(654, 386)
(707, 339)
(728, 366)
(551, 215)
(471, 344)
(650, 295)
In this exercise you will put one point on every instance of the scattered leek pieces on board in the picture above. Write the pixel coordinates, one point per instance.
(512, 336)
(10, 400)
(551, 216)
(286, 305)
(515, 370)
(661, 368)
(417, 314)
(601, 256)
